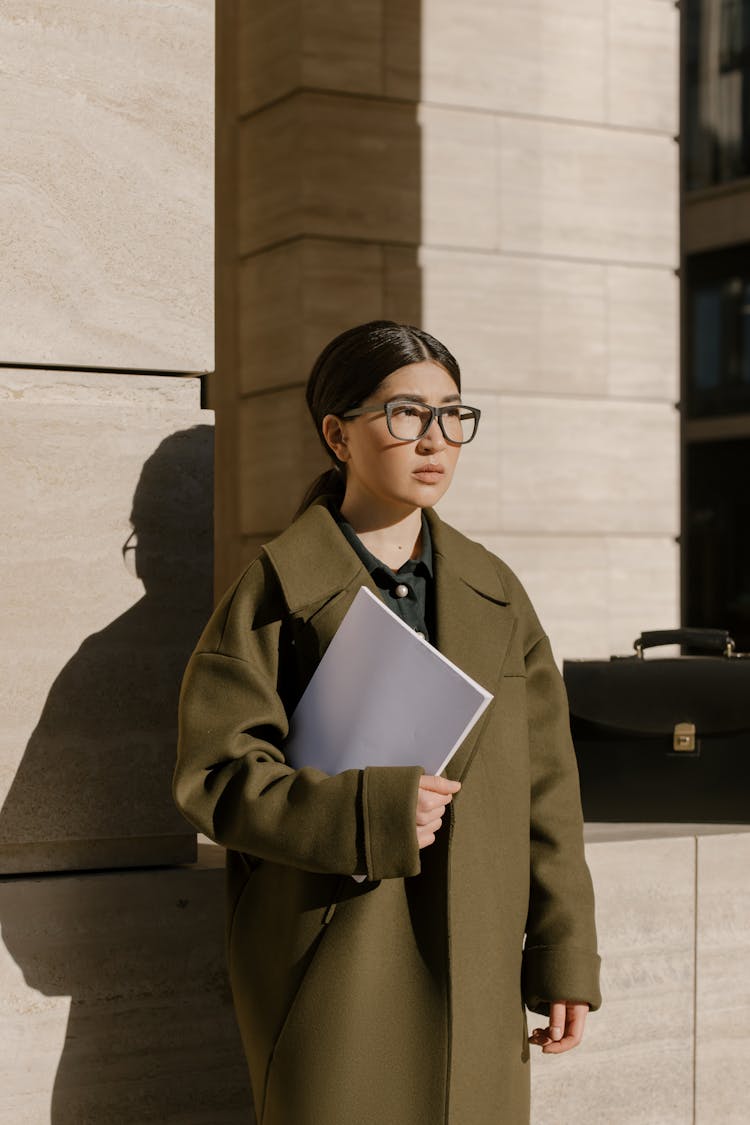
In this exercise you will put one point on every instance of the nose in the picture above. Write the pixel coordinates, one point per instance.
(433, 435)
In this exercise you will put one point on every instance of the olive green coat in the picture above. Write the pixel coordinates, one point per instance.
(400, 999)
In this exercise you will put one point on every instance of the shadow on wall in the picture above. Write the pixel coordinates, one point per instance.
(139, 952)
(93, 787)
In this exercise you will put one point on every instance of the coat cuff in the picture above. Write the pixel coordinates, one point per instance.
(389, 808)
(553, 973)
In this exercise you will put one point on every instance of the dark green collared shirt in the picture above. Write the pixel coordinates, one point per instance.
(415, 577)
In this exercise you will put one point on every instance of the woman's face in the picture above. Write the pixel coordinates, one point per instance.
(381, 468)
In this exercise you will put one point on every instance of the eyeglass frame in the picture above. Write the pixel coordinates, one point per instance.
(435, 412)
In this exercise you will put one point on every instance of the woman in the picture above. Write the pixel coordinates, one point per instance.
(398, 999)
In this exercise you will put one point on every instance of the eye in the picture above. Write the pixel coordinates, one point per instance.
(453, 412)
(406, 410)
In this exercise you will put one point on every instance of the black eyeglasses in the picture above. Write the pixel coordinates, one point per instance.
(409, 421)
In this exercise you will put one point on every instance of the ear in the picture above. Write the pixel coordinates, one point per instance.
(335, 437)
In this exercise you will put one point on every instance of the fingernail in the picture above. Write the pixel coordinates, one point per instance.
(556, 1032)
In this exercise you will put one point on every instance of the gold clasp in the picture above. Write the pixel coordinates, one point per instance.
(684, 736)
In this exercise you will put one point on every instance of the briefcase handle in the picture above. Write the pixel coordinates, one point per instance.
(707, 640)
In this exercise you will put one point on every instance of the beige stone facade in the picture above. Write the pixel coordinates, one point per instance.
(111, 962)
(502, 173)
(507, 178)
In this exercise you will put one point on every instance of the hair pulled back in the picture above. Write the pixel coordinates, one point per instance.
(350, 368)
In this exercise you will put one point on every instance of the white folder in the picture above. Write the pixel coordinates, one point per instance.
(382, 696)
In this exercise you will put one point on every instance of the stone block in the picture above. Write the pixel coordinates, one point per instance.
(568, 466)
(333, 166)
(107, 186)
(535, 58)
(317, 44)
(33, 386)
(540, 59)
(722, 1041)
(115, 1000)
(643, 329)
(458, 178)
(107, 585)
(524, 324)
(275, 430)
(295, 298)
(268, 48)
(402, 49)
(635, 1060)
(270, 176)
(513, 323)
(595, 594)
(642, 65)
(587, 192)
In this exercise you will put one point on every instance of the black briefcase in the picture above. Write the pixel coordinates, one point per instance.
(665, 738)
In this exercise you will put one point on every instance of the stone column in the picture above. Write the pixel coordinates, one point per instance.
(320, 176)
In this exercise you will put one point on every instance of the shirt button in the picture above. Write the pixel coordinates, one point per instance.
(401, 590)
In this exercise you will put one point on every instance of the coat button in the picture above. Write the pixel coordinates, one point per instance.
(419, 634)
(401, 590)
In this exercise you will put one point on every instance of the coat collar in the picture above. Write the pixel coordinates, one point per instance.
(313, 561)
(320, 574)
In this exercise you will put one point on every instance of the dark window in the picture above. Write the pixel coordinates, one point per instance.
(717, 92)
(718, 333)
(718, 537)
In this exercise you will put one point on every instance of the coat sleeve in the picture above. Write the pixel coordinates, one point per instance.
(560, 958)
(231, 780)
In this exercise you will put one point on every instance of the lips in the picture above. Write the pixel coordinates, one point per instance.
(429, 471)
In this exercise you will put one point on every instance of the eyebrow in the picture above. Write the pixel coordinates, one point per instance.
(420, 398)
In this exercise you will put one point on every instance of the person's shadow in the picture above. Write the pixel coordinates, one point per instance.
(150, 1035)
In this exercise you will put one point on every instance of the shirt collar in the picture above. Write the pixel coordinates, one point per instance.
(372, 563)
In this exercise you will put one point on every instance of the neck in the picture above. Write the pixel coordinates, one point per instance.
(391, 534)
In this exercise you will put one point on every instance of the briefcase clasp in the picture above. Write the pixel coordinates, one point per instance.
(684, 736)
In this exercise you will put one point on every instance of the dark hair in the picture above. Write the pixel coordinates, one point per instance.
(350, 368)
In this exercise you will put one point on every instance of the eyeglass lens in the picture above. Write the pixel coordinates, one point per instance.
(410, 421)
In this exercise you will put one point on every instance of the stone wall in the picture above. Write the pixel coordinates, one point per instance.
(114, 1002)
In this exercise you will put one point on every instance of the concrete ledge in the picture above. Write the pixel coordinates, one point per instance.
(115, 1000)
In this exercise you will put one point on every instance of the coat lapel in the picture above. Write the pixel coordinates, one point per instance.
(320, 575)
(475, 623)
(318, 571)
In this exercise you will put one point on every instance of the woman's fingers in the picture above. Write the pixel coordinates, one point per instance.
(565, 1030)
(557, 1020)
(431, 817)
(438, 784)
(431, 825)
(434, 794)
(572, 1032)
(429, 810)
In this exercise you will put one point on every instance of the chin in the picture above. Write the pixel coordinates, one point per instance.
(426, 495)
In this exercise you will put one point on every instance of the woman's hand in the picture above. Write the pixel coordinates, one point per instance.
(565, 1028)
(434, 794)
